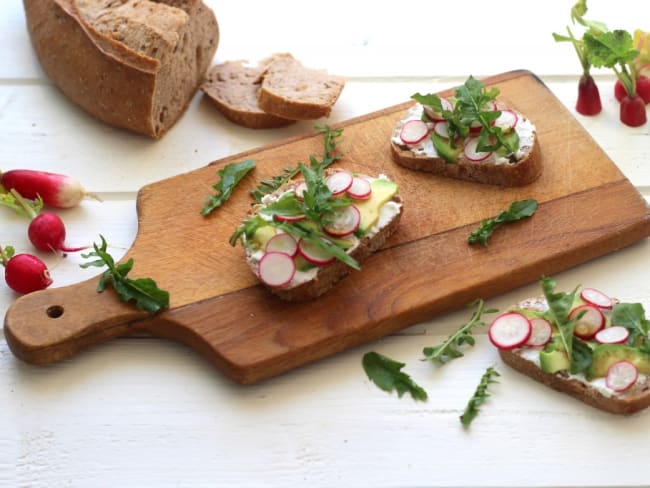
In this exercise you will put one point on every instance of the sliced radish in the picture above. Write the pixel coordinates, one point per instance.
(436, 116)
(507, 120)
(541, 333)
(590, 323)
(339, 182)
(361, 189)
(510, 330)
(616, 334)
(472, 153)
(288, 218)
(475, 127)
(345, 222)
(414, 132)
(442, 129)
(276, 269)
(597, 298)
(621, 376)
(300, 190)
(314, 254)
(283, 242)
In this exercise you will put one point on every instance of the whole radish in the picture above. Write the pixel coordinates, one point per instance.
(632, 111)
(24, 273)
(588, 102)
(642, 89)
(56, 190)
(47, 232)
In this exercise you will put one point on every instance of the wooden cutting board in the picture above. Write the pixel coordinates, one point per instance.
(587, 208)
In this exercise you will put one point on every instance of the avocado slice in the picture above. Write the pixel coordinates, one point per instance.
(605, 355)
(382, 191)
(444, 148)
(553, 361)
(262, 235)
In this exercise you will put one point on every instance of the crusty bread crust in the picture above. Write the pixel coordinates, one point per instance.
(631, 401)
(114, 82)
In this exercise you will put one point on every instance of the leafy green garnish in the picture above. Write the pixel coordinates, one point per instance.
(6, 254)
(517, 210)
(229, 176)
(449, 349)
(614, 49)
(19, 204)
(143, 291)
(632, 317)
(386, 374)
(480, 395)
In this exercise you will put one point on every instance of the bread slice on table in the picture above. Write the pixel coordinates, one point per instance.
(521, 168)
(134, 64)
(233, 87)
(293, 91)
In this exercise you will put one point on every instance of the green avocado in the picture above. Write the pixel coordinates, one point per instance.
(553, 361)
(382, 191)
(605, 355)
(444, 148)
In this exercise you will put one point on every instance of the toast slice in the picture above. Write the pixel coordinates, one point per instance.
(456, 155)
(548, 363)
(316, 272)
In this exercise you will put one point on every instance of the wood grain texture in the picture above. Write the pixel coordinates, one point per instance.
(425, 268)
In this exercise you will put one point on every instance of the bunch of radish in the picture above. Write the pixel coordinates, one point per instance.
(26, 191)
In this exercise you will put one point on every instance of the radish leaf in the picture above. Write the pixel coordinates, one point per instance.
(386, 374)
(478, 398)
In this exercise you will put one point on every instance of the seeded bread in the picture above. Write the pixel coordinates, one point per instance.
(134, 64)
(233, 87)
(522, 171)
(292, 91)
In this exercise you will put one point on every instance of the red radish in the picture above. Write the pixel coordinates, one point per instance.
(300, 190)
(597, 298)
(621, 376)
(276, 269)
(442, 129)
(642, 89)
(588, 96)
(436, 116)
(314, 254)
(47, 232)
(589, 323)
(472, 153)
(414, 132)
(25, 273)
(507, 120)
(632, 111)
(616, 334)
(282, 243)
(345, 222)
(288, 218)
(361, 189)
(339, 182)
(510, 330)
(541, 332)
(56, 190)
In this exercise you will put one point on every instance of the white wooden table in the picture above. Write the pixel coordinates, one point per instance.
(147, 412)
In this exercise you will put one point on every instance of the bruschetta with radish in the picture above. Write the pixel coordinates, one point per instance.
(310, 233)
(583, 343)
(470, 136)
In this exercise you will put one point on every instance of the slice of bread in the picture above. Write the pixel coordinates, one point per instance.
(133, 64)
(233, 87)
(522, 169)
(292, 91)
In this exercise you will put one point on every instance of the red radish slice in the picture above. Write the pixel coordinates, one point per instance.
(436, 116)
(475, 127)
(276, 269)
(361, 189)
(345, 222)
(541, 333)
(288, 218)
(414, 132)
(590, 323)
(596, 298)
(510, 330)
(282, 243)
(314, 254)
(621, 376)
(507, 120)
(300, 190)
(472, 153)
(339, 182)
(616, 334)
(442, 129)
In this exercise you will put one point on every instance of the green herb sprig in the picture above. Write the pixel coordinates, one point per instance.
(517, 210)
(387, 374)
(143, 291)
(479, 397)
(229, 177)
(450, 348)
(19, 204)
(632, 317)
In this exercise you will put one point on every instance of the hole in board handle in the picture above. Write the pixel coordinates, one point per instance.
(54, 312)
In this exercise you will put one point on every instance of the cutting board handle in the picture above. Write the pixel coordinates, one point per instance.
(54, 324)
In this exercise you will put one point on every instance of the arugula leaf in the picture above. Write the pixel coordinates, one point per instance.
(517, 210)
(582, 357)
(613, 49)
(386, 374)
(632, 317)
(143, 291)
(230, 175)
(449, 349)
(479, 396)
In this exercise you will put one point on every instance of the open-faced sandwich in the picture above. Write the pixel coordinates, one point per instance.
(583, 343)
(307, 235)
(471, 136)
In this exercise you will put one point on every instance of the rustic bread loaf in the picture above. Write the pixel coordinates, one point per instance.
(134, 64)
(233, 87)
